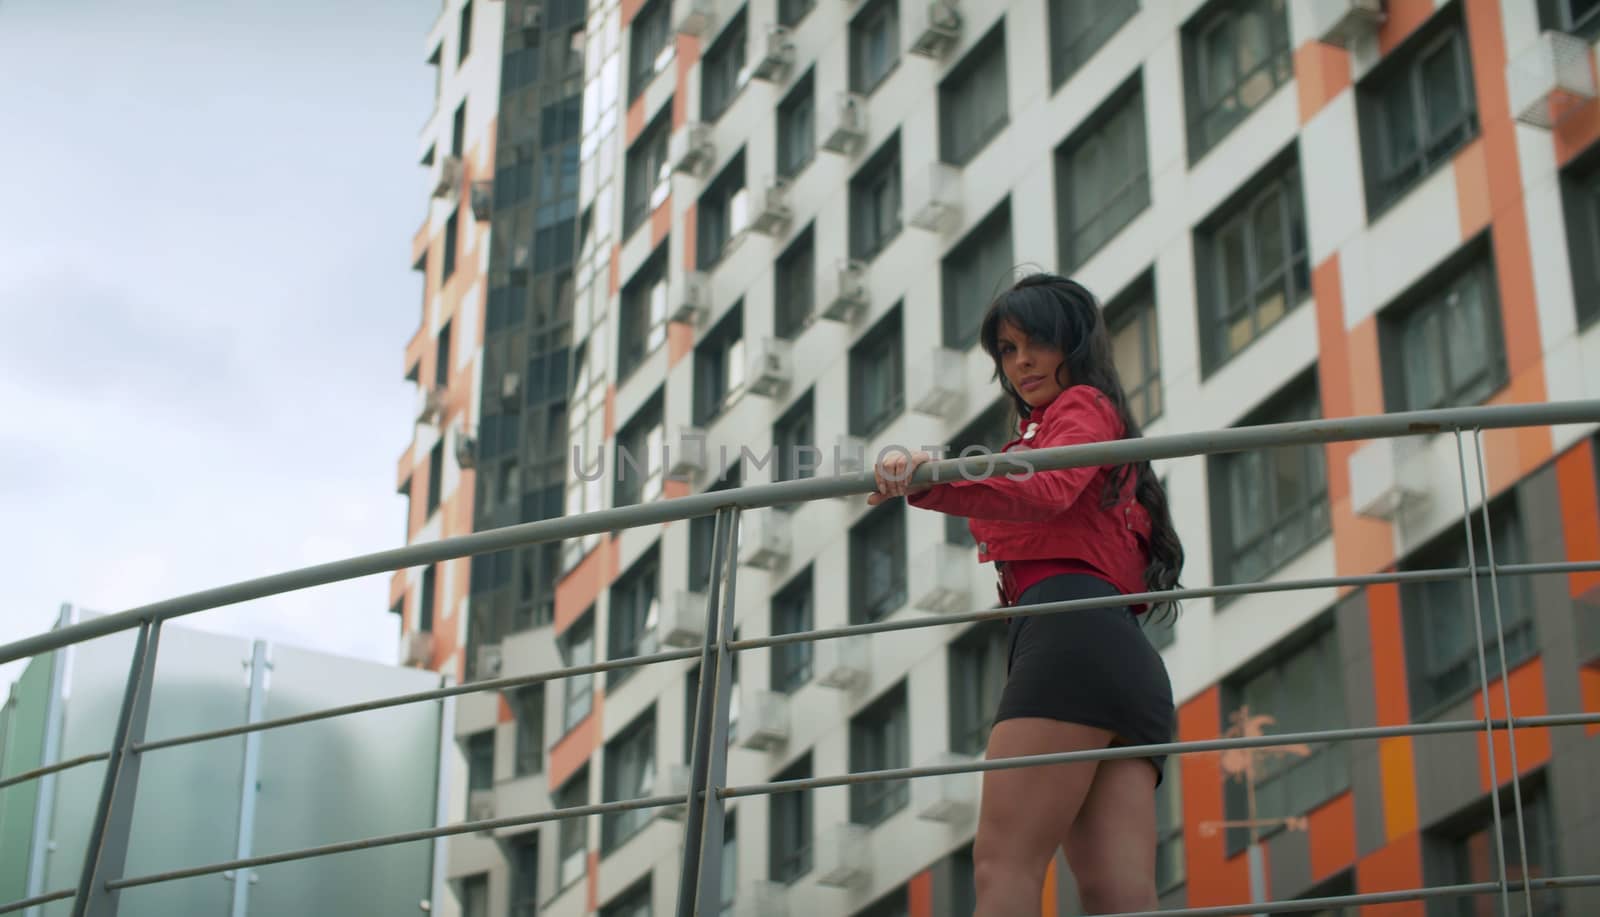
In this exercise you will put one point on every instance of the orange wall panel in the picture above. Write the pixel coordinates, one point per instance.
(680, 340)
(1514, 453)
(1533, 745)
(1214, 877)
(1589, 694)
(661, 222)
(688, 53)
(1471, 171)
(1578, 127)
(615, 268)
(1321, 71)
(1397, 866)
(1580, 511)
(919, 894)
(1049, 906)
(1332, 832)
(579, 589)
(633, 123)
(572, 750)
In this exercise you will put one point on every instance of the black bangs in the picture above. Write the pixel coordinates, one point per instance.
(1042, 313)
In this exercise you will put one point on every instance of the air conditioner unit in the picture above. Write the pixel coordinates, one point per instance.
(849, 456)
(532, 16)
(1550, 79)
(695, 17)
(764, 538)
(691, 149)
(682, 621)
(1344, 22)
(480, 805)
(449, 176)
(843, 126)
(941, 579)
(934, 25)
(692, 304)
(844, 663)
(482, 200)
(935, 383)
(416, 648)
(775, 64)
(673, 780)
(772, 367)
(763, 720)
(430, 403)
(1388, 478)
(466, 449)
(949, 798)
(510, 387)
(689, 454)
(848, 299)
(933, 197)
(772, 215)
(844, 856)
(762, 898)
(489, 661)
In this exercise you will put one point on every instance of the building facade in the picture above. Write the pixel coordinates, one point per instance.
(1289, 209)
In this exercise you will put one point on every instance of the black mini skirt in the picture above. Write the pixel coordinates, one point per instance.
(1091, 666)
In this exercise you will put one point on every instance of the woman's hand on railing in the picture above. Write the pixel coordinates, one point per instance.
(893, 476)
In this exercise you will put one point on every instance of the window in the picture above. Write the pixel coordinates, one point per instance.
(525, 875)
(577, 648)
(1580, 194)
(724, 70)
(639, 458)
(691, 702)
(963, 882)
(435, 476)
(797, 127)
(972, 99)
(1103, 175)
(973, 273)
(1470, 855)
(877, 386)
(1575, 17)
(894, 904)
(518, 69)
(643, 314)
(790, 12)
(529, 710)
(1269, 505)
(1300, 685)
(559, 122)
(794, 436)
(719, 367)
(428, 597)
(441, 357)
(874, 44)
(986, 435)
(458, 129)
(1252, 264)
(1235, 56)
(572, 858)
(649, 45)
(635, 611)
(730, 864)
(880, 738)
(1445, 349)
(480, 761)
(875, 202)
(722, 213)
(630, 763)
(1416, 110)
(646, 183)
(475, 896)
(449, 266)
(703, 531)
(878, 564)
(977, 673)
(1171, 870)
(634, 902)
(466, 33)
(789, 826)
(1161, 629)
(794, 287)
(1078, 29)
(1441, 641)
(792, 614)
(1136, 349)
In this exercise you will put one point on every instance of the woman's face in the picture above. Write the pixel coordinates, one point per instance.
(1030, 366)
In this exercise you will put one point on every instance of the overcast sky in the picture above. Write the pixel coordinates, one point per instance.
(206, 209)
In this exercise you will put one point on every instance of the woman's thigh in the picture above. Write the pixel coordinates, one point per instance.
(1026, 811)
(1112, 842)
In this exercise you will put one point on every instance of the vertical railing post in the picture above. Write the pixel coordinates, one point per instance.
(717, 774)
(700, 746)
(107, 852)
(255, 711)
(1483, 676)
(1505, 675)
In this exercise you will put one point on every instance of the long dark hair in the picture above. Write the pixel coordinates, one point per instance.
(1060, 311)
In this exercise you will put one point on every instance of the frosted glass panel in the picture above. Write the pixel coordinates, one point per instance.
(342, 779)
(21, 749)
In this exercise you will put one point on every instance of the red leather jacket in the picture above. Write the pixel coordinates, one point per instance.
(1055, 514)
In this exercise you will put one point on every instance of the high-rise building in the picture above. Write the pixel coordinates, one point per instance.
(725, 228)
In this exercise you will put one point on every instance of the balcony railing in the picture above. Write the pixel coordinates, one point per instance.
(102, 874)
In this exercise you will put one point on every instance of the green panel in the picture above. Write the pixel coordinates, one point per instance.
(22, 727)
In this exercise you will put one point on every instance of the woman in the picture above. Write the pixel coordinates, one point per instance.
(1080, 679)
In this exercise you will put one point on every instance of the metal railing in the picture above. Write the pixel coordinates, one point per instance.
(102, 873)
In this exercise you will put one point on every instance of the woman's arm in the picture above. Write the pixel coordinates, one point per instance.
(1042, 494)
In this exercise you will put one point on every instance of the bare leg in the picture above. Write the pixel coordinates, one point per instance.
(1112, 844)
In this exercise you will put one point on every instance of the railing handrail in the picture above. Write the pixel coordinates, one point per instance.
(1115, 452)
